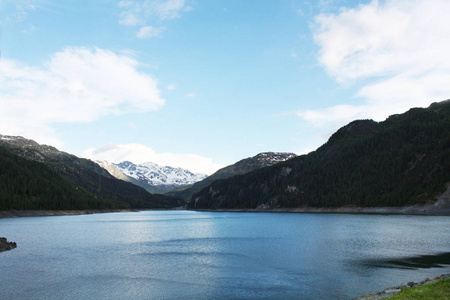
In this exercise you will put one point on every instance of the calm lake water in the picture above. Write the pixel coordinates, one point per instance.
(206, 255)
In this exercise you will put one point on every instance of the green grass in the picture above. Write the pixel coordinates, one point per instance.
(436, 290)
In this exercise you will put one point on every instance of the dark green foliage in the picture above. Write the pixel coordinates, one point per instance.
(129, 195)
(29, 185)
(241, 167)
(404, 160)
(83, 174)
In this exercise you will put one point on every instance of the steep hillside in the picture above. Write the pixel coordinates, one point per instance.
(30, 185)
(241, 167)
(114, 171)
(88, 175)
(404, 160)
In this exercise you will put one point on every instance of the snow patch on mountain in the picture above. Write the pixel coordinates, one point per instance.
(271, 158)
(18, 140)
(155, 175)
(8, 138)
(113, 170)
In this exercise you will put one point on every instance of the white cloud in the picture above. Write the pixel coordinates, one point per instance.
(133, 126)
(30, 29)
(147, 32)
(407, 90)
(333, 114)
(139, 12)
(138, 153)
(125, 3)
(75, 85)
(130, 18)
(17, 11)
(191, 95)
(171, 87)
(169, 9)
(397, 50)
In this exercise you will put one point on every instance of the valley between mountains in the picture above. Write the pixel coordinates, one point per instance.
(402, 163)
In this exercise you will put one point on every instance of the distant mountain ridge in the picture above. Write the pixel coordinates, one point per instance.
(243, 166)
(87, 175)
(152, 177)
(404, 160)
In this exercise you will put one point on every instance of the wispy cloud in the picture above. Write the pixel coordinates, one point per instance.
(30, 29)
(133, 126)
(18, 10)
(147, 32)
(171, 87)
(396, 50)
(75, 85)
(138, 153)
(141, 13)
(191, 95)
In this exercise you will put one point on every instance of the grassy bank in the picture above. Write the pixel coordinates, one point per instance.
(431, 288)
(437, 290)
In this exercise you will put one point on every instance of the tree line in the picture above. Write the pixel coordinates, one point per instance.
(404, 160)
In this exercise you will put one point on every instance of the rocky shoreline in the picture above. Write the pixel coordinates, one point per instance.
(394, 290)
(42, 213)
(341, 210)
(5, 245)
(441, 207)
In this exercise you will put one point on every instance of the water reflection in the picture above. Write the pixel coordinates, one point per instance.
(192, 255)
(416, 262)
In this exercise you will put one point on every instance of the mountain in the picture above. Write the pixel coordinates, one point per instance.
(241, 167)
(154, 178)
(114, 171)
(404, 160)
(29, 185)
(87, 175)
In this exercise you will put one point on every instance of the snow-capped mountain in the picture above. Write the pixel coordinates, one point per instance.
(113, 170)
(152, 177)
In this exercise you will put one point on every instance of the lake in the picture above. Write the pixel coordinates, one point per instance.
(218, 255)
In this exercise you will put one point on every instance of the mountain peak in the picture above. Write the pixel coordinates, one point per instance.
(157, 178)
(243, 166)
(274, 156)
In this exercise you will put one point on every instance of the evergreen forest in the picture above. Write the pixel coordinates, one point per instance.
(404, 160)
(34, 179)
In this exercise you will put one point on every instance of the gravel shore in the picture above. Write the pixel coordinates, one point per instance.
(394, 290)
(441, 207)
(40, 213)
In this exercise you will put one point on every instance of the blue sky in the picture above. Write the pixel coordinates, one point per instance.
(202, 84)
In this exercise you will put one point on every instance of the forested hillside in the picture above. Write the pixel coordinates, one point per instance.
(243, 166)
(29, 185)
(401, 161)
(80, 174)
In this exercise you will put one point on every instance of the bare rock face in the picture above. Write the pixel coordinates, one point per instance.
(5, 245)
